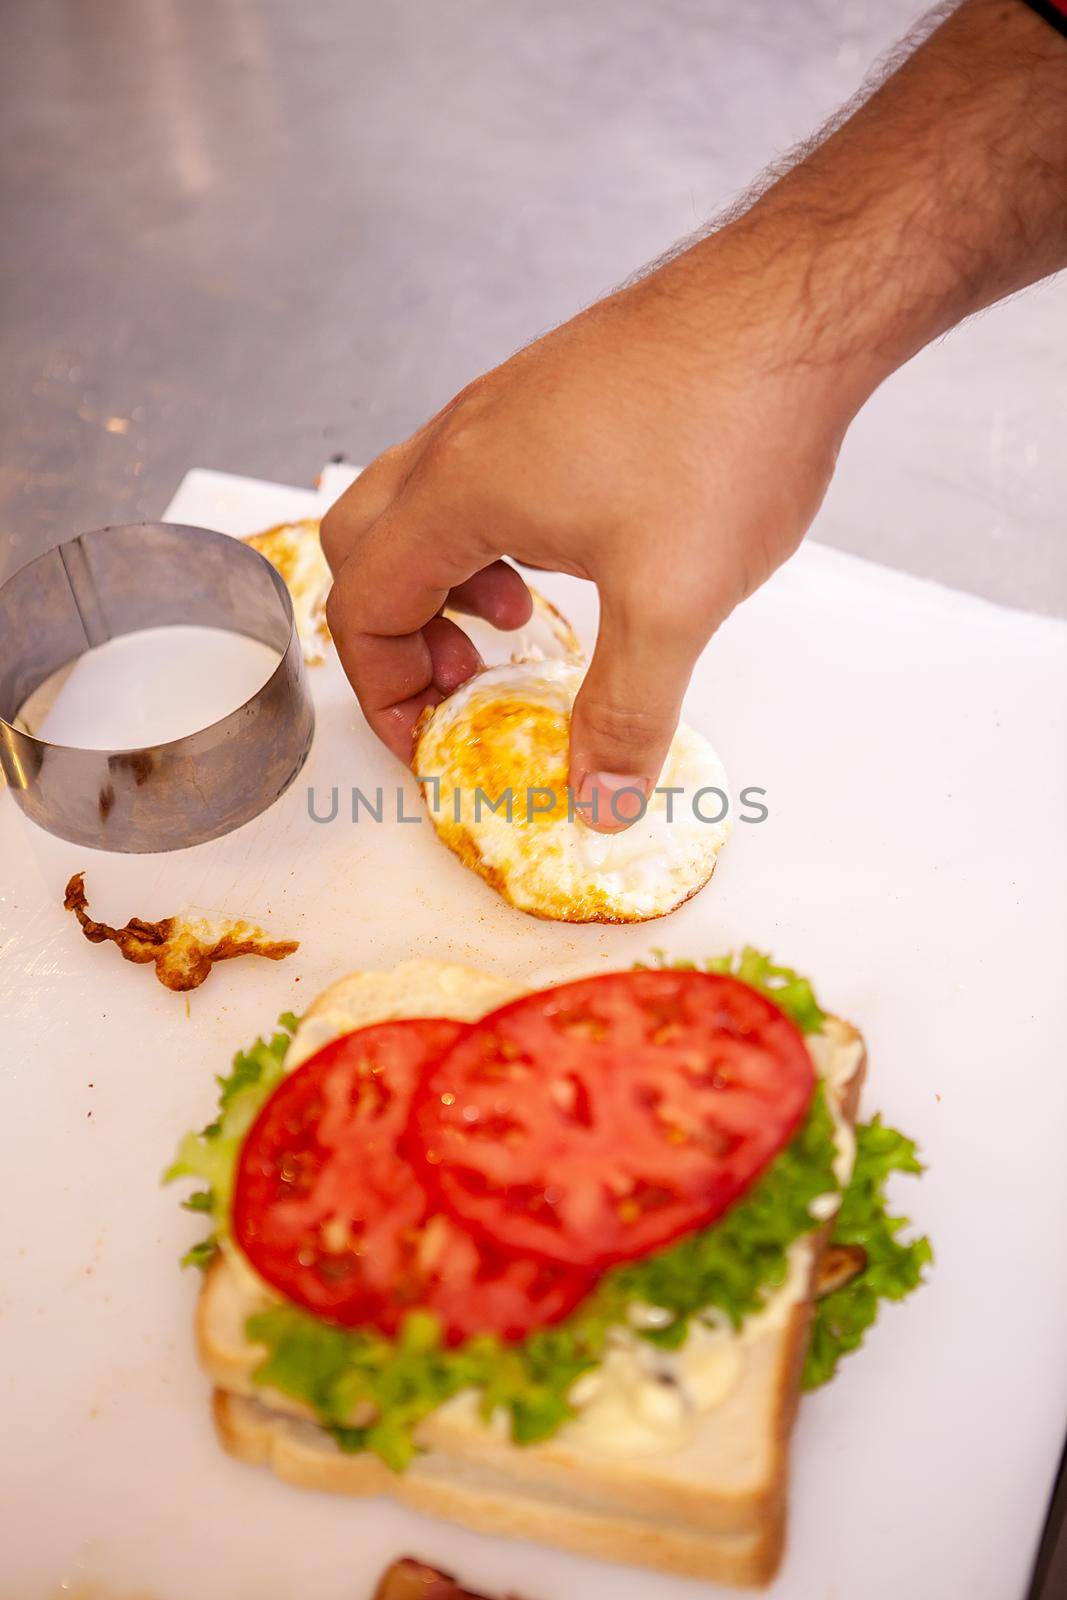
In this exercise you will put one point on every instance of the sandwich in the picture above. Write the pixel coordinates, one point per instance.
(555, 1265)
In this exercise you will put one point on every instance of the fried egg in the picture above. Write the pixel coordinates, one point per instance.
(548, 636)
(502, 740)
(294, 550)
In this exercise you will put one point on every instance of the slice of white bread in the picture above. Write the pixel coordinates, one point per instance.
(710, 1505)
(469, 1491)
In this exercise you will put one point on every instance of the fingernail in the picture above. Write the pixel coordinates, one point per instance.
(612, 800)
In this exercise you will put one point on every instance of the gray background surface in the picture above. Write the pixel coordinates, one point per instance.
(250, 235)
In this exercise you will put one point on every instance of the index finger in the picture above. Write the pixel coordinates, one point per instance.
(363, 502)
(398, 577)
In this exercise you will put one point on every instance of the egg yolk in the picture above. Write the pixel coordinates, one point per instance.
(520, 745)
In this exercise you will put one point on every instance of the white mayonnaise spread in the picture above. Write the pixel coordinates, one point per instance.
(643, 1400)
(837, 1053)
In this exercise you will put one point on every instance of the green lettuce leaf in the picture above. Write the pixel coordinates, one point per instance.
(201, 1254)
(894, 1268)
(210, 1156)
(790, 992)
(733, 1264)
(346, 1373)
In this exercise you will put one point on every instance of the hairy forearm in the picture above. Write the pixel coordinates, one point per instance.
(944, 191)
(673, 442)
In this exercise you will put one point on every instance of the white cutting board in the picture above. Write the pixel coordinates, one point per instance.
(910, 740)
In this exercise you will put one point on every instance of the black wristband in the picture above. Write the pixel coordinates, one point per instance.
(1053, 11)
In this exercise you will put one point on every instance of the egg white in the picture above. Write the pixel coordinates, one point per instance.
(507, 728)
(547, 636)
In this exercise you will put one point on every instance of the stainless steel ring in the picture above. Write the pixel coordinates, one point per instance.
(120, 580)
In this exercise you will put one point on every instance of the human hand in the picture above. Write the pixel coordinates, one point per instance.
(672, 443)
(669, 445)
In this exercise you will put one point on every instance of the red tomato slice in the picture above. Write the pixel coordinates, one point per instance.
(594, 1122)
(330, 1214)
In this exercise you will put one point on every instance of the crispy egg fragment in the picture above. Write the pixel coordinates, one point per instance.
(409, 1579)
(505, 733)
(183, 949)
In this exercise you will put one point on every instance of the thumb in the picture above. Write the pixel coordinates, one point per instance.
(627, 709)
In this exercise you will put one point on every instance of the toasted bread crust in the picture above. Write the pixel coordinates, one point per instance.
(799, 1334)
(305, 1457)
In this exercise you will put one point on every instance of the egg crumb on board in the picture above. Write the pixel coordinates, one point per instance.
(183, 949)
(492, 762)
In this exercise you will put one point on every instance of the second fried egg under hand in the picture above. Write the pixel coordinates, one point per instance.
(505, 734)
(294, 550)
